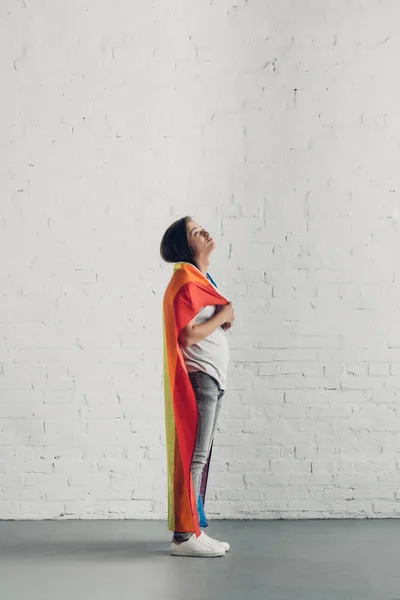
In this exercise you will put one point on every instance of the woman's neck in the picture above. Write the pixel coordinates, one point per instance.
(203, 264)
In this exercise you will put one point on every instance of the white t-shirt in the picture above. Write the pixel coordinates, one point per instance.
(210, 355)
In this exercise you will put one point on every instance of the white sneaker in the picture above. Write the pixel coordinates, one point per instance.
(197, 546)
(224, 545)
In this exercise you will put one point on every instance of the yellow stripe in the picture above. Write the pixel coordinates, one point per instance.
(170, 435)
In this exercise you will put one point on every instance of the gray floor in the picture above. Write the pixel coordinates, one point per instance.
(270, 560)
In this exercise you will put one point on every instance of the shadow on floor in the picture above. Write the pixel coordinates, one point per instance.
(87, 550)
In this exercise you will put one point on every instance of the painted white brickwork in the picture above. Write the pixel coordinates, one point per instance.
(276, 124)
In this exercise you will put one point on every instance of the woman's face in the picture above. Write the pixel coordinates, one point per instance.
(199, 239)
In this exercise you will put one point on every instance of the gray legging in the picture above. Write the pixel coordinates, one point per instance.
(208, 397)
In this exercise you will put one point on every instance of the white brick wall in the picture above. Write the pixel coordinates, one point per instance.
(276, 124)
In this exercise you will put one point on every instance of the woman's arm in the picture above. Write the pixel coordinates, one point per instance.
(192, 333)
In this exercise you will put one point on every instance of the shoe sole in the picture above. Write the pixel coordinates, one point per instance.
(215, 554)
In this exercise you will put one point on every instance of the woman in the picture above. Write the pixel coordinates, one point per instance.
(196, 356)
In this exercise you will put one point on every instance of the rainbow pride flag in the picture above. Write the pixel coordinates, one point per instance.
(187, 293)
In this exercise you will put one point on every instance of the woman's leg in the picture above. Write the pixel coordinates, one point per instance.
(216, 417)
(208, 398)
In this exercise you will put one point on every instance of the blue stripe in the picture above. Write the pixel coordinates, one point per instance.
(211, 279)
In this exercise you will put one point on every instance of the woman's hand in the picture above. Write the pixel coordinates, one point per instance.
(228, 313)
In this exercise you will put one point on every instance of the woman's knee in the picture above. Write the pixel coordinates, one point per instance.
(199, 460)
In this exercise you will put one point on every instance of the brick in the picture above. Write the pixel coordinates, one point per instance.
(379, 369)
(290, 466)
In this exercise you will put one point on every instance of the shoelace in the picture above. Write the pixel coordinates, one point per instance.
(205, 540)
(210, 542)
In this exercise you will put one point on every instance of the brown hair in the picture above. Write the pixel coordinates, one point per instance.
(175, 245)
